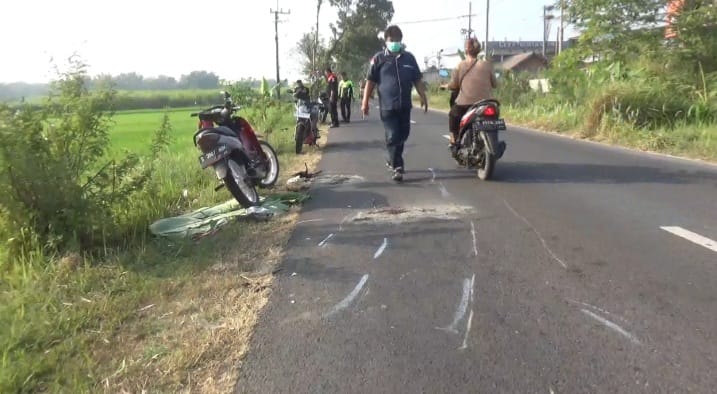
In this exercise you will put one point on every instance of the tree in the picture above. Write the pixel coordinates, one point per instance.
(161, 82)
(129, 81)
(199, 80)
(616, 29)
(309, 52)
(355, 34)
(696, 34)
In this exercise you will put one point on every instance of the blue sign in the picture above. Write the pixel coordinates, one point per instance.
(443, 73)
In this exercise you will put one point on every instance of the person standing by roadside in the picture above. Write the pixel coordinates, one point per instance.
(333, 91)
(346, 95)
(395, 72)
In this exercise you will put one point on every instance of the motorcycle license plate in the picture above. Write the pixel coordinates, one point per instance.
(214, 156)
(303, 115)
(489, 125)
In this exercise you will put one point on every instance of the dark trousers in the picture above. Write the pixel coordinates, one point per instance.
(398, 126)
(454, 119)
(333, 109)
(346, 109)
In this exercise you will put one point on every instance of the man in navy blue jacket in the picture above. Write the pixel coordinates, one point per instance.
(395, 71)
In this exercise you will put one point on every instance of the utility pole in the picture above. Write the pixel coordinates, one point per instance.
(313, 75)
(562, 29)
(470, 19)
(469, 30)
(546, 17)
(276, 38)
(487, 14)
(470, 15)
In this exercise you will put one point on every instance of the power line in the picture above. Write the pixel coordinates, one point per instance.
(434, 20)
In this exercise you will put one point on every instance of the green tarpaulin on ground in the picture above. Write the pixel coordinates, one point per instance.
(208, 220)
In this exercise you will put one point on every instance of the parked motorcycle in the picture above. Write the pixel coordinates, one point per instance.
(307, 127)
(240, 159)
(323, 106)
(478, 145)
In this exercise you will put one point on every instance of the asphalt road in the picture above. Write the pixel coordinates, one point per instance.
(578, 269)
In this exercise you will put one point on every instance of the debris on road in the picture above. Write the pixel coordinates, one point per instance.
(401, 215)
(208, 220)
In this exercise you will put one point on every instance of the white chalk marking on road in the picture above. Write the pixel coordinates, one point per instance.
(462, 305)
(323, 243)
(446, 136)
(441, 187)
(413, 121)
(381, 249)
(612, 326)
(692, 237)
(468, 330)
(349, 298)
(444, 191)
(475, 241)
(433, 175)
(597, 308)
(542, 240)
(309, 221)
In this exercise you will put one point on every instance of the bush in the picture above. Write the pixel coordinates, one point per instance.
(58, 186)
(514, 89)
(650, 106)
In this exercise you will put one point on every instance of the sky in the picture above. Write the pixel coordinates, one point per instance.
(233, 38)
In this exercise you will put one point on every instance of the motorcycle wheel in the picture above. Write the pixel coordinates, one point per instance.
(272, 171)
(238, 183)
(299, 136)
(485, 169)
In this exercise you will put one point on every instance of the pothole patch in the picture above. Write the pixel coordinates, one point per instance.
(338, 179)
(410, 214)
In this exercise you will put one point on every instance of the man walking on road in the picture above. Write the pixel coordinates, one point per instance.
(333, 96)
(346, 95)
(396, 72)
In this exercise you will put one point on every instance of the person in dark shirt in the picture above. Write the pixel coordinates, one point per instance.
(333, 92)
(395, 72)
(301, 92)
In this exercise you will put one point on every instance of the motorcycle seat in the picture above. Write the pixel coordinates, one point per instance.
(486, 101)
(221, 130)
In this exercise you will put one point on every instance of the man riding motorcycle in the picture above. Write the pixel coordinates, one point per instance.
(301, 92)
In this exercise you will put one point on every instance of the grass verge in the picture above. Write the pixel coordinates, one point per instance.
(697, 141)
(155, 316)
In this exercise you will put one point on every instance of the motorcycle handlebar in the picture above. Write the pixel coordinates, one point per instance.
(209, 111)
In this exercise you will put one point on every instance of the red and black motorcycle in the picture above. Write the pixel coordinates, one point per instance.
(240, 159)
(478, 145)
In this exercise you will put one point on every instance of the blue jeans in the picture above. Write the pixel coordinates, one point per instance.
(398, 126)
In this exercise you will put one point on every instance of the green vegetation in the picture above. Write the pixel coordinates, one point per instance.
(89, 301)
(353, 39)
(625, 85)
